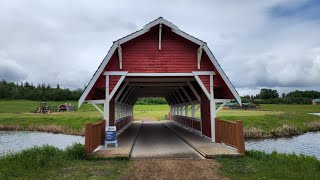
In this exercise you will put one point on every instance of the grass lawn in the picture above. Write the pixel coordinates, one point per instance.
(20, 114)
(276, 120)
(259, 165)
(272, 120)
(48, 162)
(150, 112)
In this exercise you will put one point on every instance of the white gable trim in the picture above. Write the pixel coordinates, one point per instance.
(145, 29)
(223, 75)
(97, 74)
(160, 21)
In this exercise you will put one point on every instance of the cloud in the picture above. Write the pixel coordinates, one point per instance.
(272, 43)
(10, 70)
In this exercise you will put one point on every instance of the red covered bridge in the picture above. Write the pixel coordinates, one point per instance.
(161, 61)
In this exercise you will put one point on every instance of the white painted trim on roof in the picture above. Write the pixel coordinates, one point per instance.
(120, 55)
(159, 74)
(160, 34)
(200, 73)
(97, 74)
(223, 75)
(222, 100)
(203, 87)
(100, 101)
(115, 73)
(160, 21)
(116, 87)
(121, 90)
(199, 55)
(132, 36)
(157, 84)
(187, 36)
(145, 29)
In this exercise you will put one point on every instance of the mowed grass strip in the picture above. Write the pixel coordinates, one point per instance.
(259, 165)
(48, 162)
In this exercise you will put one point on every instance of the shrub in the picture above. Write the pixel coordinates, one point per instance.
(76, 151)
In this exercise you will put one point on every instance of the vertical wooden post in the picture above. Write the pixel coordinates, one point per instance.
(217, 128)
(240, 137)
(88, 139)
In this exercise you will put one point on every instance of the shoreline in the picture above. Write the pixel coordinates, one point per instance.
(55, 129)
(285, 131)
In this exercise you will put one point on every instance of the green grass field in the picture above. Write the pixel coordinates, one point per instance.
(20, 114)
(271, 120)
(48, 162)
(259, 165)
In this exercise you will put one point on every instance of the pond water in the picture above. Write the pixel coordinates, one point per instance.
(14, 141)
(308, 144)
(317, 114)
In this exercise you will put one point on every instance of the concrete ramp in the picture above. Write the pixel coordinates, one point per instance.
(201, 144)
(155, 140)
(125, 141)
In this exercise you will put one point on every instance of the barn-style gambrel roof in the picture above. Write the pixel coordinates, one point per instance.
(141, 32)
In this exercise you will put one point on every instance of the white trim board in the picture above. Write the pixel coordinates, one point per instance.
(145, 29)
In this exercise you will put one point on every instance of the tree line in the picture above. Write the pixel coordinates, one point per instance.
(41, 92)
(44, 92)
(271, 96)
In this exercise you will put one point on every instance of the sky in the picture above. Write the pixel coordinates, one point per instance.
(259, 44)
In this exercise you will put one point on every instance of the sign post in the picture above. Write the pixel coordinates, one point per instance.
(111, 136)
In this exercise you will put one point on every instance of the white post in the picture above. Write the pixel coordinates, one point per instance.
(193, 110)
(186, 110)
(106, 103)
(212, 110)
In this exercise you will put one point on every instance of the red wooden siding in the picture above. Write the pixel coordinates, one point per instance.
(142, 55)
(177, 55)
(206, 81)
(112, 82)
(205, 115)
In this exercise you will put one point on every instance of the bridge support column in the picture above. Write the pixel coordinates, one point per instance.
(212, 110)
(106, 103)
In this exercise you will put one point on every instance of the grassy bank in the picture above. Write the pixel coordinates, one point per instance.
(18, 115)
(258, 165)
(270, 121)
(279, 120)
(48, 162)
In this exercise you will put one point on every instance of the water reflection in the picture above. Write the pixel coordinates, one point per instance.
(14, 141)
(308, 144)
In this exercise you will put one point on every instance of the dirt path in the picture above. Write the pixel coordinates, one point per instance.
(173, 169)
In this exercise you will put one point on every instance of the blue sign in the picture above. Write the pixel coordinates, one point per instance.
(111, 136)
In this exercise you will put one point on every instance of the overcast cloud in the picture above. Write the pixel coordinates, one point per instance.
(271, 43)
